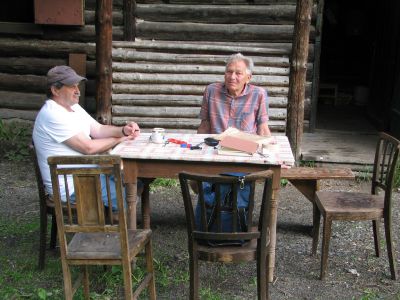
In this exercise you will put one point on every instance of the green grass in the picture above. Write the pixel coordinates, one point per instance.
(21, 279)
(15, 138)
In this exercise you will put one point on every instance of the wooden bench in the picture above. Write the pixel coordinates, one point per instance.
(306, 180)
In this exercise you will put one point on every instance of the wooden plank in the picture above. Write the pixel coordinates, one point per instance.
(31, 83)
(43, 48)
(134, 56)
(118, 19)
(245, 14)
(298, 71)
(177, 112)
(203, 79)
(103, 61)
(214, 32)
(223, 46)
(18, 100)
(176, 100)
(175, 89)
(181, 123)
(305, 173)
(28, 115)
(29, 65)
(188, 68)
(245, 47)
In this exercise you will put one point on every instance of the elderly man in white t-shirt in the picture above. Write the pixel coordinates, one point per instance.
(63, 127)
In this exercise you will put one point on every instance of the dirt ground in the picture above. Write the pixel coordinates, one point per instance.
(353, 271)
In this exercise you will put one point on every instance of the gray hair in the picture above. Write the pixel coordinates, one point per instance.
(57, 85)
(247, 60)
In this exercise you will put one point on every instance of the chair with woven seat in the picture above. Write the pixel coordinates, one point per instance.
(87, 238)
(357, 206)
(254, 240)
(46, 207)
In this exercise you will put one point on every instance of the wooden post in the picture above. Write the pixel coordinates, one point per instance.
(129, 20)
(316, 65)
(297, 78)
(103, 60)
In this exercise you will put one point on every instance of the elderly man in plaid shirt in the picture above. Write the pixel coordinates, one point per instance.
(235, 102)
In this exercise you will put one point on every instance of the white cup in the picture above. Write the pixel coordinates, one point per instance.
(157, 135)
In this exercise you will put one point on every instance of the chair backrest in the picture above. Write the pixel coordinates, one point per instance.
(89, 214)
(385, 165)
(203, 234)
(43, 196)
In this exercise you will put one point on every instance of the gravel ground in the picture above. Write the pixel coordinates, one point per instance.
(353, 270)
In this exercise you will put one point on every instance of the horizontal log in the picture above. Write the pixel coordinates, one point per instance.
(85, 33)
(214, 32)
(18, 100)
(227, 14)
(202, 79)
(29, 115)
(175, 100)
(131, 56)
(120, 88)
(33, 83)
(43, 48)
(117, 17)
(213, 47)
(212, 2)
(191, 69)
(207, 47)
(38, 66)
(29, 65)
(172, 123)
(176, 112)
(15, 82)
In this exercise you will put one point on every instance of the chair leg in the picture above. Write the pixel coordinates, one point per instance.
(68, 289)
(150, 270)
(42, 239)
(53, 236)
(194, 276)
(377, 236)
(391, 253)
(325, 245)
(316, 222)
(127, 273)
(85, 270)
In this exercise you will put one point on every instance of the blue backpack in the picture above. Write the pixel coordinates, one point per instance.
(243, 193)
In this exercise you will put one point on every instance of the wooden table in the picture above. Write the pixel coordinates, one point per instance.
(144, 159)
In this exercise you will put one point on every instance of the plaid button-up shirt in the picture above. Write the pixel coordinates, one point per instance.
(245, 112)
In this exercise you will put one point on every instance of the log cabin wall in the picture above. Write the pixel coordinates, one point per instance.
(181, 46)
(28, 51)
(158, 80)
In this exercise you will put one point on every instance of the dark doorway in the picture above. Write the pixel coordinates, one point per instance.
(347, 47)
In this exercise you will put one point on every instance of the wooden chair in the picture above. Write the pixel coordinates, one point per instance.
(46, 208)
(255, 249)
(87, 239)
(344, 206)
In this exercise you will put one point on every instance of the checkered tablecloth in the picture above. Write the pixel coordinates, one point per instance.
(143, 148)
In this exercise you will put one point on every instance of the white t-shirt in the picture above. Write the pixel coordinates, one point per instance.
(53, 126)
